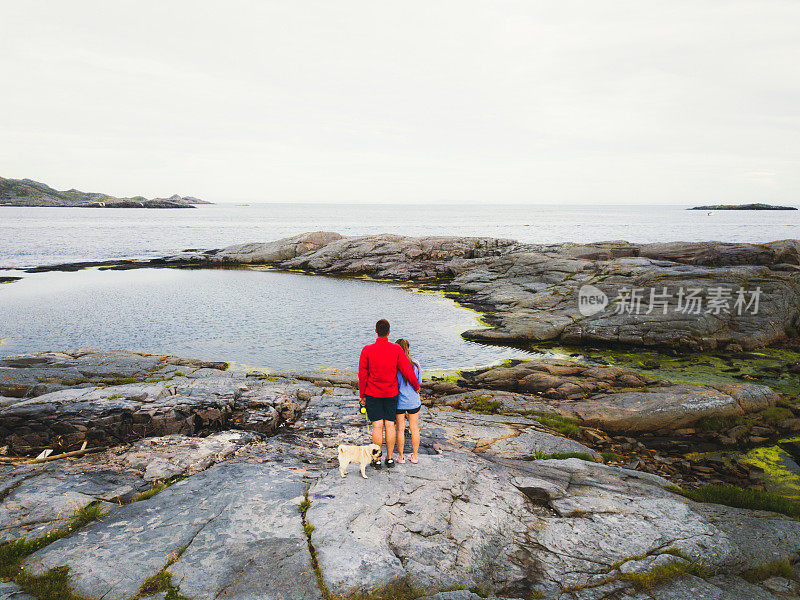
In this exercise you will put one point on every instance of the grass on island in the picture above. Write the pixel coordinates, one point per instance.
(677, 567)
(53, 584)
(159, 582)
(158, 486)
(768, 416)
(778, 568)
(13, 553)
(768, 366)
(403, 589)
(565, 425)
(666, 572)
(484, 405)
(308, 529)
(162, 582)
(119, 381)
(610, 456)
(539, 455)
(741, 498)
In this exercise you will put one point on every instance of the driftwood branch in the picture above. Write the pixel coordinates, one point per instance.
(31, 461)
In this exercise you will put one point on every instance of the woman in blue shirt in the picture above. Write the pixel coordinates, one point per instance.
(408, 403)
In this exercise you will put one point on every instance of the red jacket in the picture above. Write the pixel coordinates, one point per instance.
(378, 367)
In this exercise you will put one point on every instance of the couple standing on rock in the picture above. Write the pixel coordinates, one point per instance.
(388, 385)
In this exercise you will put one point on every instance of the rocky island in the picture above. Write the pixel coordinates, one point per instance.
(565, 478)
(26, 192)
(681, 295)
(755, 206)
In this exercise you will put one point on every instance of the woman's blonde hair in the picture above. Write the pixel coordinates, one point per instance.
(406, 346)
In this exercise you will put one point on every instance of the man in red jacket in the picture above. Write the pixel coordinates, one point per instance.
(377, 386)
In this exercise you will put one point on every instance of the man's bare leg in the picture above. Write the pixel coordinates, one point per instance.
(377, 433)
(390, 438)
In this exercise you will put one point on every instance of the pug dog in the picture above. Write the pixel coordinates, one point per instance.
(363, 455)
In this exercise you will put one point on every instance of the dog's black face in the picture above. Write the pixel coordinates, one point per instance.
(376, 453)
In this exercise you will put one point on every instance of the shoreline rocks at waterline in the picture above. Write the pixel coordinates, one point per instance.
(689, 295)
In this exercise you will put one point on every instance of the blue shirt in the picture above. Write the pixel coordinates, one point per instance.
(407, 398)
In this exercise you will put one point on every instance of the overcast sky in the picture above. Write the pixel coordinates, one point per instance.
(430, 101)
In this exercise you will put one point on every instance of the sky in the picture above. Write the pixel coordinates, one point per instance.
(463, 101)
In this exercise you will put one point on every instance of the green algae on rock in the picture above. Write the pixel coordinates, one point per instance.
(780, 472)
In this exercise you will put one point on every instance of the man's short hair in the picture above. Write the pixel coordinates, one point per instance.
(382, 328)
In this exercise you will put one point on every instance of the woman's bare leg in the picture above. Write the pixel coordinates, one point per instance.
(401, 433)
(413, 425)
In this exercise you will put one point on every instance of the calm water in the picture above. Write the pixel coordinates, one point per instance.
(39, 236)
(277, 320)
(283, 320)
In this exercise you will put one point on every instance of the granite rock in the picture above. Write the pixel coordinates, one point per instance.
(533, 291)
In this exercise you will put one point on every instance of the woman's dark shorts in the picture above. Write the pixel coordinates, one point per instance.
(379, 409)
(408, 411)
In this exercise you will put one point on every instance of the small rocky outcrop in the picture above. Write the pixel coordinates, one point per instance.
(555, 379)
(754, 206)
(27, 192)
(607, 397)
(118, 397)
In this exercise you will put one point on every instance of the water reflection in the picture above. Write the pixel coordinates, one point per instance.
(277, 320)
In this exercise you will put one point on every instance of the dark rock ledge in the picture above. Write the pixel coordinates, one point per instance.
(236, 453)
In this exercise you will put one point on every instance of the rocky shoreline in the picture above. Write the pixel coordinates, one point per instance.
(566, 478)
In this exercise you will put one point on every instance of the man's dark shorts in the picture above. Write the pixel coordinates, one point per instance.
(381, 408)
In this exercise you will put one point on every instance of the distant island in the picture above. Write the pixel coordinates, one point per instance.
(26, 192)
(756, 206)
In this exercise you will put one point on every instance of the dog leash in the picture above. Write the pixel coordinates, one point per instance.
(366, 418)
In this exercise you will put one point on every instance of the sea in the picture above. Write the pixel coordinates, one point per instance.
(280, 320)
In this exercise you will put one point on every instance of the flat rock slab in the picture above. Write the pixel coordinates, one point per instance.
(233, 531)
(36, 374)
(515, 526)
(662, 407)
(168, 456)
(555, 378)
(47, 496)
(155, 396)
(673, 407)
(41, 498)
(11, 591)
(506, 436)
(529, 442)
